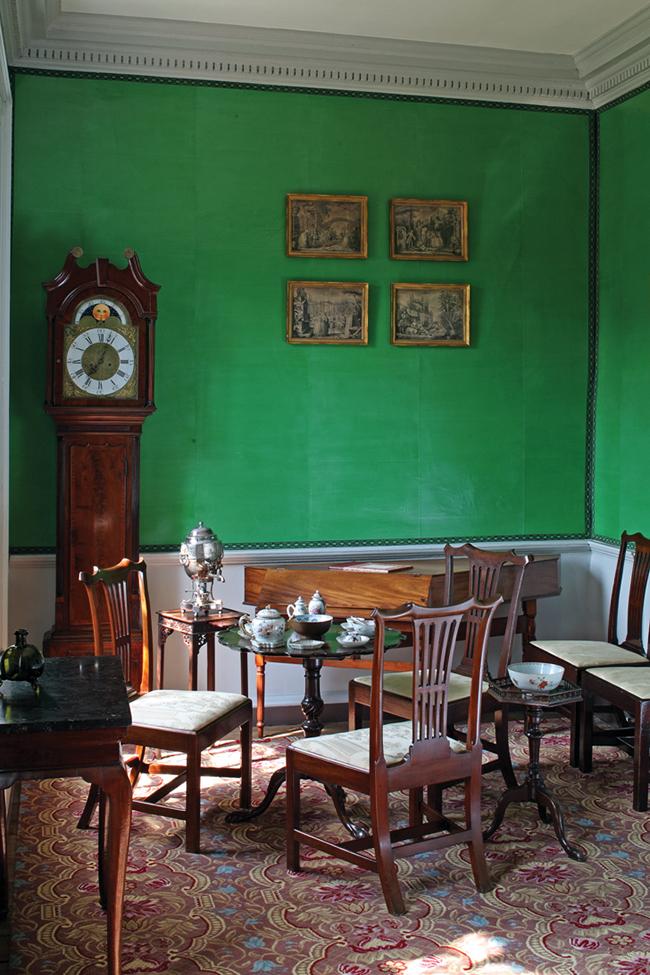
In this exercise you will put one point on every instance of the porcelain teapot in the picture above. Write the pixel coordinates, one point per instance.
(266, 629)
(299, 608)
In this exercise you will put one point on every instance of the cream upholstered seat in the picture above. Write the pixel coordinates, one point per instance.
(627, 688)
(630, 680)
(408, 756)
(578, 656)
(352, 748)
(401, 683)
(589, 653)
(183, 710)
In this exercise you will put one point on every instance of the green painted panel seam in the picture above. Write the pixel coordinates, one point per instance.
(291, 89)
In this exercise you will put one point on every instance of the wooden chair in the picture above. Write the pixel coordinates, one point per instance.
(484, 581)
(406, 755)
(177, 721)
(577, 656)
(628, 689)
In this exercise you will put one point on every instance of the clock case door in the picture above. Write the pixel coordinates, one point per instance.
(98, 447)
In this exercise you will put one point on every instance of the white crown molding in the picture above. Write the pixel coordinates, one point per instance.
(39, 35)
(618, 62)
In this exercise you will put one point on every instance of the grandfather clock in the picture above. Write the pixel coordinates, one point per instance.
(100, 368)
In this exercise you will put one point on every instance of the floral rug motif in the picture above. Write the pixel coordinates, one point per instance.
(234, 910)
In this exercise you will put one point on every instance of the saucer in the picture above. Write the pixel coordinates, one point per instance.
(265, 647)
(349, 640)
(302, 646)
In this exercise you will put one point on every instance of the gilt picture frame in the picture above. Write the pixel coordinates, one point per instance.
(428, 230)
(319, 225)
(430, 314)
(327, 312)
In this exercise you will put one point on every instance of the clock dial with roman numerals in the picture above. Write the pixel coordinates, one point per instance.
(100, 362)
(100, 353)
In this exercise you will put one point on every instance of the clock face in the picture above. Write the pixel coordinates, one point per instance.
(100, 361)
(100, 352)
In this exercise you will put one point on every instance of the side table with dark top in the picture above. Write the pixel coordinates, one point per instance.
(533, 788)
(196, 631)
(72, 725)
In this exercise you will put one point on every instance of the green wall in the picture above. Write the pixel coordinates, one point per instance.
(623, 403)
(273, 443)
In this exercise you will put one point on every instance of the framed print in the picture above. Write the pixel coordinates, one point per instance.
(327, 226)
(430, 314)
(333, 312)
(428, 230)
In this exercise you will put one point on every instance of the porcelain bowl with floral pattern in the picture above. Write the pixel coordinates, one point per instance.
(535, 676)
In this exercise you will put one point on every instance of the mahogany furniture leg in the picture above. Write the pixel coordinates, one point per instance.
(163, 633)
(114, 782)
(209, 647)
(260, 664)
(88, 810)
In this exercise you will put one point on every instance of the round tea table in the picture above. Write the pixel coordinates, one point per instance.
(311, 704)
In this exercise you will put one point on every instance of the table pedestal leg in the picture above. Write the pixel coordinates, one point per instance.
(533, 789)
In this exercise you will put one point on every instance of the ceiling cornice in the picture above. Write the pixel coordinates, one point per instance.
(39, 35)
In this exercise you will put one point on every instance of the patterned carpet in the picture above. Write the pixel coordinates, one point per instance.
(234, 910)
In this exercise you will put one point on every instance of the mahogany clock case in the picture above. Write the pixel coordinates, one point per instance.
(98, 436)
(124, 292)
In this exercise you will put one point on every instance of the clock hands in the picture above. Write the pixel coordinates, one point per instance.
(94, 366)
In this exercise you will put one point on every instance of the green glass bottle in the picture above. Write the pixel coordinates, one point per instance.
(22, 661)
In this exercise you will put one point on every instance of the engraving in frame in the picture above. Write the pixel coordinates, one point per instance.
(428, 230)
(327, 312)
(327, 226)
(430, 314)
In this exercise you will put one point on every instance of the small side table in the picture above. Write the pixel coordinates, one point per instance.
(196, 631)
(533, 788)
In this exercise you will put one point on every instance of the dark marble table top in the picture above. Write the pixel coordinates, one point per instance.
(74, 694)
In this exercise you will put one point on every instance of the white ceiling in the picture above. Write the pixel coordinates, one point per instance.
(569, 53)
(543, 26)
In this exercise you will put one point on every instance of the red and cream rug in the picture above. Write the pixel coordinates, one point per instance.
(234, 910)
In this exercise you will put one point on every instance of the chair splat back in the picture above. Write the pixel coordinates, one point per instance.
(124, 610)
(636, 592)
(435, 632)
(485, 582)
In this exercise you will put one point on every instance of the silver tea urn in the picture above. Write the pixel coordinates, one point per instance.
(201, 556)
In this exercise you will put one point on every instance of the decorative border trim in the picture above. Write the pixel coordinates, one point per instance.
(404, 546)
(308, 552)
(593, 319)
(6, 123)
(303, 90)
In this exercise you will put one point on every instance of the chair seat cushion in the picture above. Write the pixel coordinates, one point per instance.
(352, 748)
(183, 710)
(400, 683)
(632, 680)
(589, 653)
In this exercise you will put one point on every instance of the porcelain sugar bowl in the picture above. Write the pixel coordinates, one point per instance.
(266, 629)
